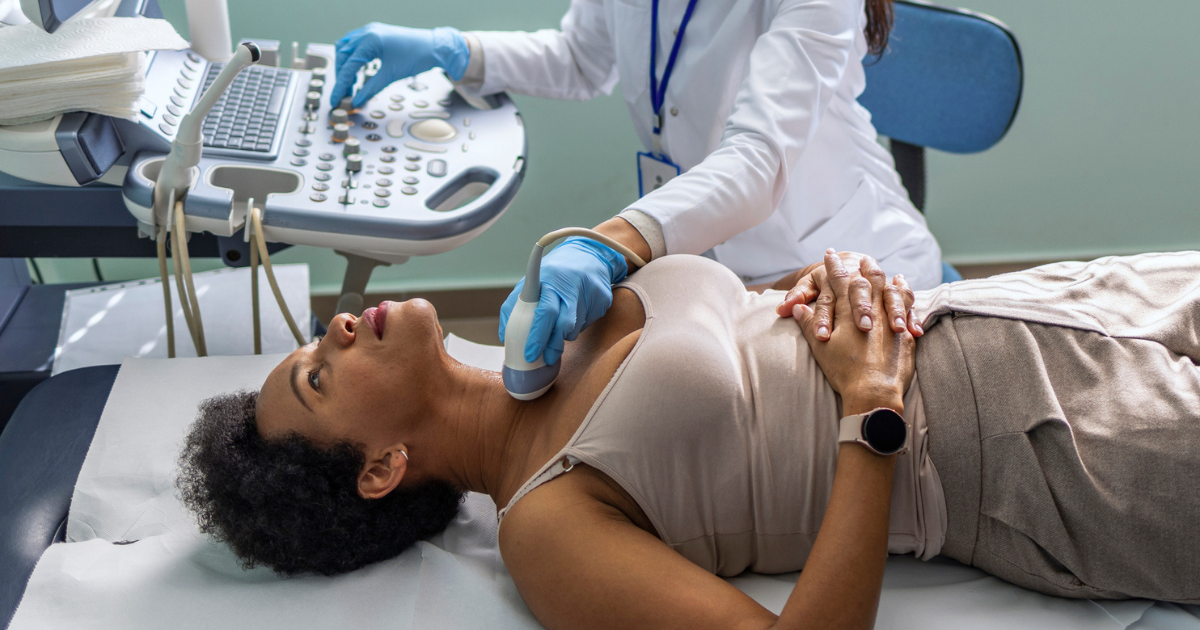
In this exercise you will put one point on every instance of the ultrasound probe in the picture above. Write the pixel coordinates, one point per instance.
(522, 379)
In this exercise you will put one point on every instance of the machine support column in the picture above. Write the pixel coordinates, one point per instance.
(354, 284)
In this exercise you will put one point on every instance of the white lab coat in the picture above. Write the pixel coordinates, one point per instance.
(780, 161)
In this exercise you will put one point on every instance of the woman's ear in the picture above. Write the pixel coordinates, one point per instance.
(381, 476)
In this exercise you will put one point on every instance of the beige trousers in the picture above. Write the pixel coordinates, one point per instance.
(1063, 409)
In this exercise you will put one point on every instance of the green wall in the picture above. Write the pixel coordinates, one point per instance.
(1101, 158)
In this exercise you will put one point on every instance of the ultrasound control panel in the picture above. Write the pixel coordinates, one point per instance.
(416, 171)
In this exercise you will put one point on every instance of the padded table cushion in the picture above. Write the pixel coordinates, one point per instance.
(41, 452)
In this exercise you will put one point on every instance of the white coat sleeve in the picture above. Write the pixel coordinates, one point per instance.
(794, 70)
(576, 62)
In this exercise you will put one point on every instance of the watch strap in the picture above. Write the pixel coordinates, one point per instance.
(851, 428)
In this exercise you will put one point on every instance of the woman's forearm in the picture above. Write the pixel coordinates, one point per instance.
(785, 283)
(841, 581)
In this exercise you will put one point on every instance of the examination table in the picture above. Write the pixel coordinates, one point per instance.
(454, 581)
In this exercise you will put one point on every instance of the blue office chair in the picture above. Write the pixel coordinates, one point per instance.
(950, 80)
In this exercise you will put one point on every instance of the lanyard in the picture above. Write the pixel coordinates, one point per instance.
(659, 92)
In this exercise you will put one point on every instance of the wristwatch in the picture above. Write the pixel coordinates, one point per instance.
(883, 431)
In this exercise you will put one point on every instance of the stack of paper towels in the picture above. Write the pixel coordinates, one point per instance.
(95, 65)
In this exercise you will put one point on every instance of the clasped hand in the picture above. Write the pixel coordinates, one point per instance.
(870, 366)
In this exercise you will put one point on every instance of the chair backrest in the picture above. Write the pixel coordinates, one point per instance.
(950, 79)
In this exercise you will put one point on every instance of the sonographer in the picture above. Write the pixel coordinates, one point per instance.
(757, 153)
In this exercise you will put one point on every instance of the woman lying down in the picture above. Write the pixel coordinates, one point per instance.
(696, 431)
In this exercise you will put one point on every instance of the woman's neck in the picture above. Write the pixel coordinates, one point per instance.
(481, 436)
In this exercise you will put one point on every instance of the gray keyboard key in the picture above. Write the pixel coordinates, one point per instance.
(276, 105)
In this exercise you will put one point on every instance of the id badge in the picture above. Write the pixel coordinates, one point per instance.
(654, 171)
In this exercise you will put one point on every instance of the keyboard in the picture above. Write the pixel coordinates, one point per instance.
(247, 116)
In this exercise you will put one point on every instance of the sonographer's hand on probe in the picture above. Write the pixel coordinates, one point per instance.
(814, 288)
(402, 52)
(577, 279)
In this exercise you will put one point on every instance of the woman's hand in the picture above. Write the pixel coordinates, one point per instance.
(869, 369)
(814, 285)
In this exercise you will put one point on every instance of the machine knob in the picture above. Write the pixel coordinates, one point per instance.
(347, 104)
(341, 132)
(354, 163)
(312, 100)
(337, 117)
(350, 147)
(316, 85)
(319, 73)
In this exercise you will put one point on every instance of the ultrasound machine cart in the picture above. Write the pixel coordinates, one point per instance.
(417, 171)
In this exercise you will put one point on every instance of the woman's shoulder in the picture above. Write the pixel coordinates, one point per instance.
(683, 274)
(584, 495)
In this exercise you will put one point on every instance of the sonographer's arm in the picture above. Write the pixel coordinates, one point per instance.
(793, 72)
(576, 62)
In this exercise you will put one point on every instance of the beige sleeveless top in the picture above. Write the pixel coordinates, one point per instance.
(721, 426)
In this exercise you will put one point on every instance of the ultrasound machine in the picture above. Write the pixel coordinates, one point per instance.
(418, 170)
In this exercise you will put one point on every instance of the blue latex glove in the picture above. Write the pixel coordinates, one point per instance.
(577, 279)
(402, 52)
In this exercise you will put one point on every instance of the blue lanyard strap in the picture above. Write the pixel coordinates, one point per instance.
(659, 92)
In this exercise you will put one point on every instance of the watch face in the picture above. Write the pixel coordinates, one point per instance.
(885, 431)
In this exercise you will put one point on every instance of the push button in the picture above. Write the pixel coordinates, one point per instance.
(437, 168)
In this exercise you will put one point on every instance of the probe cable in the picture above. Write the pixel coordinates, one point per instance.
(161, 244)
(254, 280)
(181, 263)
(183, 281)
(256, 221)
(596, 236)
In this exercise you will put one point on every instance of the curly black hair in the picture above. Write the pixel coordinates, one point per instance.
(291, 505)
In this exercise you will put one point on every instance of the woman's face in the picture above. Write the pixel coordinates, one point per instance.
(361, 382)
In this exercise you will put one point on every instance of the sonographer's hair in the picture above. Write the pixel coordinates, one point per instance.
(291, 505)
(880, 15)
